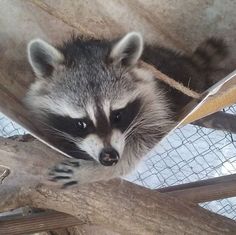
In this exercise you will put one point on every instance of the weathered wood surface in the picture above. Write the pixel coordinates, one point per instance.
(36, 223)
(196, 192)
(204, 190)
(118, 205)
(55, 223)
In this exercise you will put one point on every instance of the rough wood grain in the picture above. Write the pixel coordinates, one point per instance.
(39, 222)
(48, 223)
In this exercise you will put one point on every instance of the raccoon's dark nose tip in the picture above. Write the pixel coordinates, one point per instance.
(109, 157)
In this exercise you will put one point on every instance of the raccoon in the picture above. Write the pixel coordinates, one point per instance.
(98, 105)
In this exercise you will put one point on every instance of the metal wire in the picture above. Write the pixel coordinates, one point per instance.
(189, 154)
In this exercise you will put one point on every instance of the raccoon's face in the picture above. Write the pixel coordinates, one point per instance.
(90, 92)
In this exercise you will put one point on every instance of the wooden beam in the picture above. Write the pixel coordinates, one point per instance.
(204, 190)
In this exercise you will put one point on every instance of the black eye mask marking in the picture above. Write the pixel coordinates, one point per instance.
(122, 118)
(119, 119)
(72, 126)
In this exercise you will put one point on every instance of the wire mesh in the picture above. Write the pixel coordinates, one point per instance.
(191, 153)
(9, 128)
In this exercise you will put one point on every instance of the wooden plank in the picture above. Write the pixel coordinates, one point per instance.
(217, 97)
(39, 222)
(204, 190)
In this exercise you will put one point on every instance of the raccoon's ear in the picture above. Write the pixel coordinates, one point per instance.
(127, 50)
(43, 57)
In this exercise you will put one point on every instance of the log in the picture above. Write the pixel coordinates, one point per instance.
(117, 205)
(204, 190)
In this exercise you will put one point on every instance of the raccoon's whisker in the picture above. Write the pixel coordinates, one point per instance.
(134, 121)
(131, 128)
(140, 123)
(57, 132)
(131, 131)
(60, 135)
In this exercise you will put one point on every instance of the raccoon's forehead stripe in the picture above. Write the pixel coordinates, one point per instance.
(99, 111)
(103, 124)
(91, 109)
(106, 108)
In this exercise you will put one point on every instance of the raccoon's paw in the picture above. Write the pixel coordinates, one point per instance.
(64, 171)
(71, 172)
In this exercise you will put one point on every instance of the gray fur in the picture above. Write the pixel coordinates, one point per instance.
(90, 79)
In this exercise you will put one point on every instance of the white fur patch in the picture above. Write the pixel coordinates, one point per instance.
(118, 141)
(69, 110)
(106, 108)
(92, 145)
(91, 113)
(60, 107)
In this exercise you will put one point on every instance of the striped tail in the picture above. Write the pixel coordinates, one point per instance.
(210, 53)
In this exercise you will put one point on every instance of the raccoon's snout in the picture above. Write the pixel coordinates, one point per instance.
(109, 157)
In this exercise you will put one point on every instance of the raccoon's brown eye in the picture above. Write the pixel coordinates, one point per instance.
(82, 125)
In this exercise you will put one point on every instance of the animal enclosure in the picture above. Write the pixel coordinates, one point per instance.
(196, 163)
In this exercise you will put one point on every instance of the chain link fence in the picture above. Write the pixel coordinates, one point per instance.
(190, 153)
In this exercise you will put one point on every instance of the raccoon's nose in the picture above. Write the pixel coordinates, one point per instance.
(109, 157)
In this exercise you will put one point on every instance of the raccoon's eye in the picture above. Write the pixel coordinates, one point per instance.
(82, 125)
(116, 117)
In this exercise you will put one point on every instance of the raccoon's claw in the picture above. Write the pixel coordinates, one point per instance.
(77, 172)
(63, 173)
